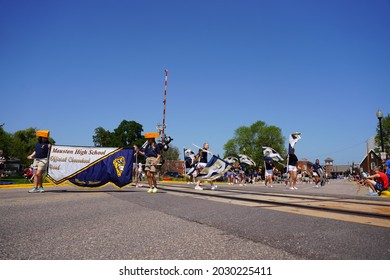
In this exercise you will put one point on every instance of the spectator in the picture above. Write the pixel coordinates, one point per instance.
(28, 173)
(377, 182)
(139, 172)
(387, 168)
(2, 163)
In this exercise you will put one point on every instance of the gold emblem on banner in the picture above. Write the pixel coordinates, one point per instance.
(119, 164)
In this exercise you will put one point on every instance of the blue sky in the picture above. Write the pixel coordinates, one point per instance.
(318, 67)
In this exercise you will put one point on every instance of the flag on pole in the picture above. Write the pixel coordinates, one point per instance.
(293, 139)
(274, 155)
(245, 160)
(189, 157)
(231, 160)
(214, 169)
(190, 161)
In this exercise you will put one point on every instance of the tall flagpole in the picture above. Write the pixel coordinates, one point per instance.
(165, 107)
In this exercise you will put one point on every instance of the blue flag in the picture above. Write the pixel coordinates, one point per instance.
(214, 169)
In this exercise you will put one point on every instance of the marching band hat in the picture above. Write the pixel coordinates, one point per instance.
(43, 133)
(153, 135)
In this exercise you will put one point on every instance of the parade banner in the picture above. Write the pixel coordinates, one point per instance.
(90, 166)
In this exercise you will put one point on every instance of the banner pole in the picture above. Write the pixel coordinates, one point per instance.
(136, 170)
(207, 151)
(288, 161)
(165, 107)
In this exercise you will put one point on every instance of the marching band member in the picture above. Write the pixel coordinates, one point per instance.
(202, 162)
(152, 153)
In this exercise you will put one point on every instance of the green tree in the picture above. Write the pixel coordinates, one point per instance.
(102, 137)
(386, 135)
(231, 148)
(250, 140)
(20, 144)
(128, 133)
(172, 153)
(23, 144)
(5, 141)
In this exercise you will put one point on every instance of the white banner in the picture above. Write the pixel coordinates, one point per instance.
(65, 161)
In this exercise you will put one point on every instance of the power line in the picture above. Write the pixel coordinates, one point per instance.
(339, 151)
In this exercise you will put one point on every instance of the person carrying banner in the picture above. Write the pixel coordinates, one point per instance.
(152, 153)
(40, 156)
(292, 169)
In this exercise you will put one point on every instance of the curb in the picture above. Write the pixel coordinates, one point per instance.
(23, 186)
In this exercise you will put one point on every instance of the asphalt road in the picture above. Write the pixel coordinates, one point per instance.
(130, 224)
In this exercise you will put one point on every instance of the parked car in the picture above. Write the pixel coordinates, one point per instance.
(173, 174)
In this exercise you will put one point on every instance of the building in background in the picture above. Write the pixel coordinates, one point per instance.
(173, 166)
(370, 161)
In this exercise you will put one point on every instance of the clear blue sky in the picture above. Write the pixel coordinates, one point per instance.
(318, 67)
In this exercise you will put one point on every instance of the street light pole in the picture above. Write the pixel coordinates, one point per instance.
(367, 159)
(379, 115)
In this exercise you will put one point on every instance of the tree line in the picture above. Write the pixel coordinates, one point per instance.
(18, 145)
(247, 140)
